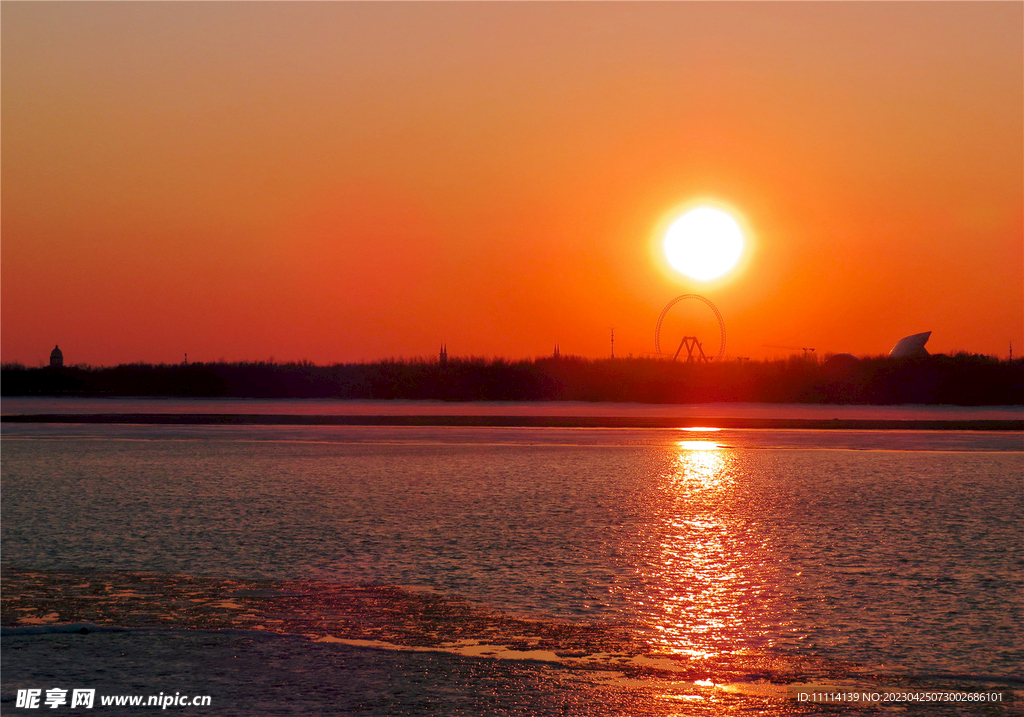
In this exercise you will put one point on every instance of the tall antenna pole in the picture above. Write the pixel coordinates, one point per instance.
(613, 340)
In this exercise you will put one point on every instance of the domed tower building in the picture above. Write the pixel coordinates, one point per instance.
(56, 357)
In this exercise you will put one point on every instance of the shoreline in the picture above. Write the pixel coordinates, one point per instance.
(519, 421)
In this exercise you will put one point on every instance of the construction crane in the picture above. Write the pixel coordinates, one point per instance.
(789, 348)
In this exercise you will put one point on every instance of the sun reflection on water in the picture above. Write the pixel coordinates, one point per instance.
(703, 569)
(699, 446)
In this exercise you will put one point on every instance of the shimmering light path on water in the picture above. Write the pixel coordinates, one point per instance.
(709, 579)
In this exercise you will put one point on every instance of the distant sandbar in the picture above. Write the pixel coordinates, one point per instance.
(517, 421)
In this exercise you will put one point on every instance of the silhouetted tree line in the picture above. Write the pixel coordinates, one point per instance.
(960, 380)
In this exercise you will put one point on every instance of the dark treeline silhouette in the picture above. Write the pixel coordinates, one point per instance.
(959, 380)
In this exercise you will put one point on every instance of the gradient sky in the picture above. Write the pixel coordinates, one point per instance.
(355, 181)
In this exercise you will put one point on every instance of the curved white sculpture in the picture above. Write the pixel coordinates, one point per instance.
(910, 346)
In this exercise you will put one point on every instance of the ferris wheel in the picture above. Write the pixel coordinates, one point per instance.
(698, 297)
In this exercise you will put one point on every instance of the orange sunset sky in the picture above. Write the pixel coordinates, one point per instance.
(354, 181)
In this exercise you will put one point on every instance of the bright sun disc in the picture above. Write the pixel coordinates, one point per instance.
(704, 243)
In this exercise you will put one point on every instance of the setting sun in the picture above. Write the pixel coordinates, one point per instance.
(704, 243)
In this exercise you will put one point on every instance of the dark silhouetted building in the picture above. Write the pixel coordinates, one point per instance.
(56, 357)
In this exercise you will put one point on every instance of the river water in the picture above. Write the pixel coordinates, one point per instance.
(439, 570)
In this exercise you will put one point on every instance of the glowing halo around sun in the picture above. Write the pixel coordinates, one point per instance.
(704, 243)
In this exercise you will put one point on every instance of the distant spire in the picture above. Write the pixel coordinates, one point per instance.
(443, 356)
